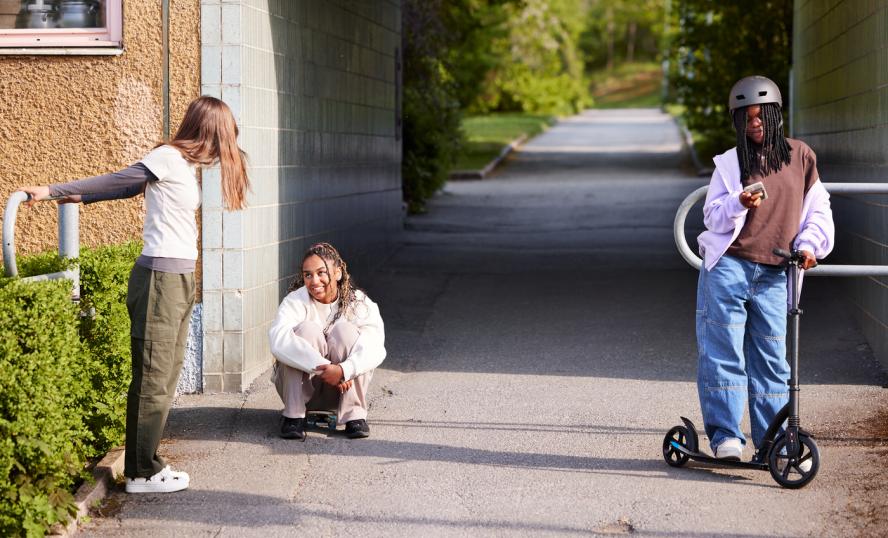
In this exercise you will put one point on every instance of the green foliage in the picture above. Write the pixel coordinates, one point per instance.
(621, 31)
(540, 68)
(43, 263)
(480, 56)
(431, 131)
(430, 109)
(717, 43)
(486, 135)
(104, 274)
(42, 434)
(628, 85)
(473, 27)
(64, 378)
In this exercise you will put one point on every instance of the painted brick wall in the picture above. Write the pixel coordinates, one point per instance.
(840, 107)
(313, 86)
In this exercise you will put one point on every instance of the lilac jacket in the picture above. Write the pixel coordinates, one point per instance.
(724, 215)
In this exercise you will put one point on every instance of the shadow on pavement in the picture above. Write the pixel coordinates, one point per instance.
(267, 511)
(260, 427)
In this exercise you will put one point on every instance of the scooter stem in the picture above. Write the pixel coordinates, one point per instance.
(792, 430)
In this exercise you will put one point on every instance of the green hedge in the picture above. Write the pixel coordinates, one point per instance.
(104, 273)
(63, 380)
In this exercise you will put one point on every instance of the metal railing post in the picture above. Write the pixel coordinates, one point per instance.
(821, 270)
(9, 215)
(69, 241)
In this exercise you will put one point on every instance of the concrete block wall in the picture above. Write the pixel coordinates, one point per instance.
(313, 86)
(840, 108)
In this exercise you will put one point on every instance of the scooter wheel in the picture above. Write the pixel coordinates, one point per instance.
(679, 435)
(794, 472)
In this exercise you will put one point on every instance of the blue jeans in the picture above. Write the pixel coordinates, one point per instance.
(741, 344)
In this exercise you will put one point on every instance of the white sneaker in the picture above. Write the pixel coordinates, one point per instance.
(729, 449)
(166, 481)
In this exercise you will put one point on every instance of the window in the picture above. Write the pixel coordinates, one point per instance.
(60, 23)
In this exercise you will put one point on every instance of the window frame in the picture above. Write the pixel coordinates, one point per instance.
(111, 35)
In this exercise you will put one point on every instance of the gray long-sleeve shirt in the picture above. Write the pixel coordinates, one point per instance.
(125, 183)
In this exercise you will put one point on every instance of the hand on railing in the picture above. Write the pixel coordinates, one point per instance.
(35, 194)
(805, 259)
(40, 193)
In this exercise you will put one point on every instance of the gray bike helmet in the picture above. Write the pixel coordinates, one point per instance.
(755, 90)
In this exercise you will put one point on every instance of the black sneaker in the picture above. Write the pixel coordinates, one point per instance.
(293, 428)
(357, 429)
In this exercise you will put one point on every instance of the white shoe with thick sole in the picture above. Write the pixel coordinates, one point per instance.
(729, 449)
(166, 481)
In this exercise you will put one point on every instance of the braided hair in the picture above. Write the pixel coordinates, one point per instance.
(774, 151)
(345, 287)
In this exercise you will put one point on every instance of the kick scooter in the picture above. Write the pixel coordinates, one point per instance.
(791, 456)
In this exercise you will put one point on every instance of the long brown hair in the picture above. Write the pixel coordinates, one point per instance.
(345, 287)
(208, 134)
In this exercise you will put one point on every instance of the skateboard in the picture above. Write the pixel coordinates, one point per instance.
(318, 418)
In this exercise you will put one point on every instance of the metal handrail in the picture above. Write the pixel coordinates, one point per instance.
(821, 270)
(69, 240)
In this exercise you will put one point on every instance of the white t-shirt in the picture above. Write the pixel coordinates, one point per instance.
(170, 229)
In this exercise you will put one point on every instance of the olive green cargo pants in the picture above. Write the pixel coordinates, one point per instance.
(159, 307)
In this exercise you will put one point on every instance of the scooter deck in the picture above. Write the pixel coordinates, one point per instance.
(706, 458)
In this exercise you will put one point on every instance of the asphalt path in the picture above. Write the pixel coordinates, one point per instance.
(540, 328)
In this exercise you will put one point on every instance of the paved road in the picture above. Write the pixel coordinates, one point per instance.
(540, 329)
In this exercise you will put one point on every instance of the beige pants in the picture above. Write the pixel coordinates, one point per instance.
(301, 392)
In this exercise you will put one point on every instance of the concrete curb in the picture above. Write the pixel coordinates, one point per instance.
(688, 141)
(104, 475)
(481, 174)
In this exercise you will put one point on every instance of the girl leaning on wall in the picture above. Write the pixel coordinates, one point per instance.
(160, 295)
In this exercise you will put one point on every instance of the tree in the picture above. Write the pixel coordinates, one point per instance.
(614, 26)
(538, 67)
(446, 51)
(715, 44)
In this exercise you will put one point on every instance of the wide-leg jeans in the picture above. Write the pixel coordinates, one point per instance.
(741, 344)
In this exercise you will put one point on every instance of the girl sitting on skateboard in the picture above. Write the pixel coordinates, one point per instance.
(327, 338)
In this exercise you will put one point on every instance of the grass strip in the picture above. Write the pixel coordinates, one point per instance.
(486, 135)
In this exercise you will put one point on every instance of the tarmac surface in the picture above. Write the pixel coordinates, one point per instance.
(540, 328)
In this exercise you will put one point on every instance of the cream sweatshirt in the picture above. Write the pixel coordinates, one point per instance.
(298, 306)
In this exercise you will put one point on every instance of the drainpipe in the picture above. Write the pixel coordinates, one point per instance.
(165, 86)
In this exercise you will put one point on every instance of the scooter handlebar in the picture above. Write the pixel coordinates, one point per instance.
(786, 254)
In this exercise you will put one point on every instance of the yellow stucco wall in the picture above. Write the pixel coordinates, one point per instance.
(68, 117)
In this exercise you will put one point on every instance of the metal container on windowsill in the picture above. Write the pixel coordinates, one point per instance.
(78, 14)
(39, 14)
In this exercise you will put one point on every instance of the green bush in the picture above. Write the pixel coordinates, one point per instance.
(42, 434)
(431, 142)
(104, 330)
(64, 372)
(431, 112)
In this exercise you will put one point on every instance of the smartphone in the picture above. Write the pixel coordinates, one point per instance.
(757, 187)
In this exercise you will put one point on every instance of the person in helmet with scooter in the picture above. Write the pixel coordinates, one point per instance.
(765, 193)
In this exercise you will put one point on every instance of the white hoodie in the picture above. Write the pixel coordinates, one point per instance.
(298, 306)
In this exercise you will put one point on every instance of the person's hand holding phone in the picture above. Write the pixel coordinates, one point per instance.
(752, 195)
